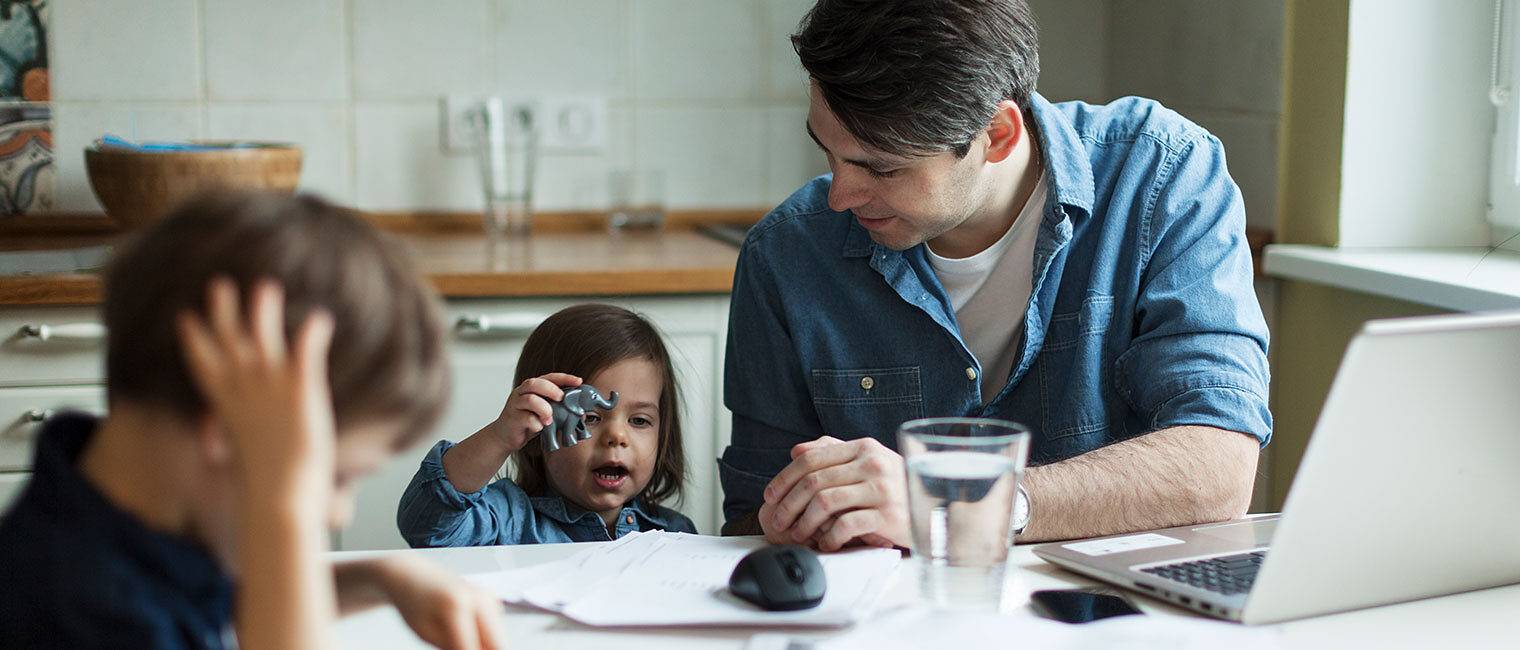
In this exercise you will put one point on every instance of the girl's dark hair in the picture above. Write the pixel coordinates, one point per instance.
(917, 77)
(584, 340)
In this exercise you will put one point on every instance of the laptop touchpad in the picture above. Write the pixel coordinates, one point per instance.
(1250, 533)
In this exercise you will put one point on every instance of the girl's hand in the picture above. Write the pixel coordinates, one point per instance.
(527, 410)
(272, 401)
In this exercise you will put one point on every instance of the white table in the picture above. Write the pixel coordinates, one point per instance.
(1488, 618)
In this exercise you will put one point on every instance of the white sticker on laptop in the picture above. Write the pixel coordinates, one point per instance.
(1121, 544)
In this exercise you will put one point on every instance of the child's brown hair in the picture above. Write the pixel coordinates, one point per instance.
(584, 340)
(387, 358)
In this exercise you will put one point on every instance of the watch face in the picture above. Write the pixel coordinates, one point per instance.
(1020, 511)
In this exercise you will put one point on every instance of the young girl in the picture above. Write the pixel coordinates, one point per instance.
(599, 489)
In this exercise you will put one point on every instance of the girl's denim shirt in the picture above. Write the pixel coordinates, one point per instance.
(432, 513)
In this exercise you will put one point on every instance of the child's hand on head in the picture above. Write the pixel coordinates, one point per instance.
(271, 398)
(527, 410)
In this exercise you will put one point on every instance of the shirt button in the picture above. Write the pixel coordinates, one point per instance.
(971, 374)
(629, 519)
(867, 382)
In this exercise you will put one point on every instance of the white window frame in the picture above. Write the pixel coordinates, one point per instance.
(1504, 167)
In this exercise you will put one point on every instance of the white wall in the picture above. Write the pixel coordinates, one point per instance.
(706, 90)
(1415, 150)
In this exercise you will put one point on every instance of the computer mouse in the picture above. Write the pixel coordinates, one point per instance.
(779, 578)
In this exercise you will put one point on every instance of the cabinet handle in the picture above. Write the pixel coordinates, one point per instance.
(22, 427)
(79, 332)
(497, 324)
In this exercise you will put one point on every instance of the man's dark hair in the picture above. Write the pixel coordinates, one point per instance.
(917, 77)
(387, 358)
(584, 340)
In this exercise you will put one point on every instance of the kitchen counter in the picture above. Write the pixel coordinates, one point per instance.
(556, 262)
(572, 258)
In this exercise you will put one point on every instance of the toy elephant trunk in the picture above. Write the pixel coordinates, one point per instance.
(567, 425)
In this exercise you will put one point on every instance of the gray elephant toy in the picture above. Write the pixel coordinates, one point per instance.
(568, 424)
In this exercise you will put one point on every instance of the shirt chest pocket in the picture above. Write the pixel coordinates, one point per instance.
(867, 402)
(1071, 369)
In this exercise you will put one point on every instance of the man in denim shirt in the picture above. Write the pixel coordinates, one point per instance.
(980, 251)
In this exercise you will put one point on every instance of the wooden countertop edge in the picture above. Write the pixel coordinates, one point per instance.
(585, 283)
(84, 289)
(80, 289)
(69, 223)
(69, 289)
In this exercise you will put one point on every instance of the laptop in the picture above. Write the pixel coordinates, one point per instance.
(1408, 489)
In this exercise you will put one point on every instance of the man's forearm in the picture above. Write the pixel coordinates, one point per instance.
(1172, 477)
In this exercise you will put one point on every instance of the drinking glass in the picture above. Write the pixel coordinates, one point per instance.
(638, 200)
(506, 150)
(963, 477)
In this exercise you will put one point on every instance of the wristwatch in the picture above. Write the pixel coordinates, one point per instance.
(1020, 511)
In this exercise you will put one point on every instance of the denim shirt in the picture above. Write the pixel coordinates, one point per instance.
(433, 513)
(1142, 315)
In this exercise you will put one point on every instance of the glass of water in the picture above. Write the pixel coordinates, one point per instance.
(638, 200)
(963, 475)
(506, 150)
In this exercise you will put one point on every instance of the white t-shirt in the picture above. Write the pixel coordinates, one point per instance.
(990, 292)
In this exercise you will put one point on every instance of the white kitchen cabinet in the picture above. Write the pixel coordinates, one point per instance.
(484, 360)
(51, 359)
(45, 346)
(22, 411)
(11, 484)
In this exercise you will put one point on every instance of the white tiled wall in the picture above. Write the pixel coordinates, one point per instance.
(571, 46)
(408, 50)
(125, 51)
(706, 91)
(273, 50)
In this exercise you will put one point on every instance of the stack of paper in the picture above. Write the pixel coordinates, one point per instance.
(659, 578)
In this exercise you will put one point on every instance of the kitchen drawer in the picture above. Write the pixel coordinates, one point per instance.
(11, 484)
(51, 345)
(21, 411)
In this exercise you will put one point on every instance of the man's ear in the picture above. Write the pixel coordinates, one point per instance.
(211, 438)
(1005, 130)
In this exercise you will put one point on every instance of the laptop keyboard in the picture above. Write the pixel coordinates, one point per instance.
(1228, 575)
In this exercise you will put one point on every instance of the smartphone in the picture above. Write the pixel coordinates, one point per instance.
(1080, 605)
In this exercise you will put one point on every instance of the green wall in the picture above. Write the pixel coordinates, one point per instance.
(1314, 322)
(1314, 325)
(1314, 101)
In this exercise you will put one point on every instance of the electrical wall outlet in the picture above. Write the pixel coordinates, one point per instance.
(573, 123)
(457, 134)
(564, 122)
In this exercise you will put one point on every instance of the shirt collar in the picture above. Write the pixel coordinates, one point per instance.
(558, 509)
(1070, 177)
